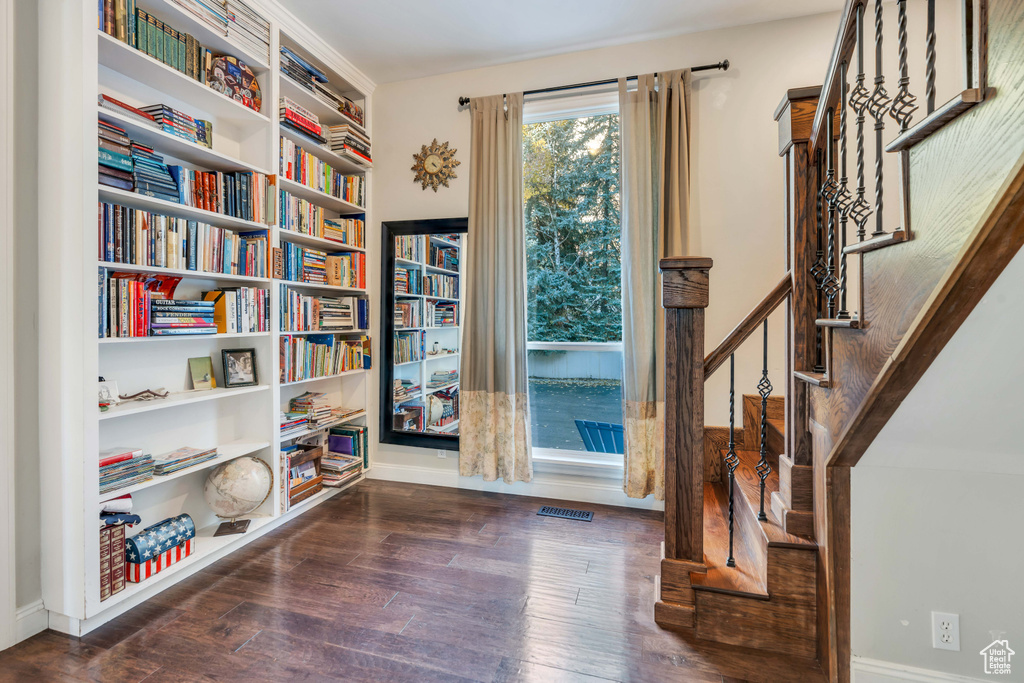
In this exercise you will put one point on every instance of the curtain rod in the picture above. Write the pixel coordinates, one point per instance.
(722, 65)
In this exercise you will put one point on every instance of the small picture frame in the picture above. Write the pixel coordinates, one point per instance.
(201, 369)
(239, 367)
(108, 393)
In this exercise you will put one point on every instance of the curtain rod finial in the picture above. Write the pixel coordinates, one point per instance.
(463, 101)
(725, 65)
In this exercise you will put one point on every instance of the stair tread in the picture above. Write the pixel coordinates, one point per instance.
(742, 579)
(748, 484)
(778, 423)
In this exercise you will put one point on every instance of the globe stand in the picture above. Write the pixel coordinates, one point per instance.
(235, 526)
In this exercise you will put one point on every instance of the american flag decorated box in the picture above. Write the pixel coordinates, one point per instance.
(158, 547)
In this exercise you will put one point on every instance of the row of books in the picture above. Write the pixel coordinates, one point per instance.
(143, 238)
(442, 313)
(300, 166)
(163, 117)
(407, 314)
(306, 218)
(405, 389)
(315, 405)
(409, 346)
(321, 355)
(240, 309)
(409, 247)
(294, 116)
(123, 467)
(130, 165)
(293, 424)
(238, 20)
(441, 378)
(181, 316)
(303, 264)
(179, 50)
(348, 141)
(447, 286)
(300, 70)
(347, 454)
(444, 257)
(407, 281)
(182, 458)
(305, 313)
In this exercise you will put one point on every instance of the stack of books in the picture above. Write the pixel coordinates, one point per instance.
(302, 264)
(407, 281)
(407, 314)
(296, 117)
(123, 467)
(169, 463)
(441, 378)
(348, 141)
(405, 389)
(126, 110)
(339, 468)
(115, 157)
(151, 176)
(348, 231)
(293, 423)
(180, 124)
(442, 314)
(314, 404)
(245, 27)
(180, 316)
(350, 439)
(305, 313)
(299, 70)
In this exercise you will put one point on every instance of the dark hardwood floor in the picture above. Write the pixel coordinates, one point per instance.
(401, 582)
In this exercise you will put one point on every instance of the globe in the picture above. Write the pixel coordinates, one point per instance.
(238, 486)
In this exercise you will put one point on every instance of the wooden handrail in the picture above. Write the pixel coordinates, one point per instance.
(846, 40)
(732, 341)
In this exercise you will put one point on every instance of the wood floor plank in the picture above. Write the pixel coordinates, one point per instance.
(406, 582)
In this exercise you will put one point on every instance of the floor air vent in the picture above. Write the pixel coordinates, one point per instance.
(566, 513)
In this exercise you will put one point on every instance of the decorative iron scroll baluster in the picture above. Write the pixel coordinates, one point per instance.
(929, 60)
(878, 106)
(818, 270)
(860, 210)
(829, 191)
(731, 459)
(904, 104)
(844, 200)
(764, 387)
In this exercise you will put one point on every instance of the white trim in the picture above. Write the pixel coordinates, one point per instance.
(865, 670)
(601, 491)
(606, 347)
(32, 619)
(571, 104)
(8, 588)
(586, 463)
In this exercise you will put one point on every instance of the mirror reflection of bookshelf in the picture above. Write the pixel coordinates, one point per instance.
(427, 323)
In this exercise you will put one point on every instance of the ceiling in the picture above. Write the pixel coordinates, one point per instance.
(393, 40)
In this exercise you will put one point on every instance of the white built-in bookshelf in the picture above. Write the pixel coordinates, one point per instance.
(431, 346)
(238, 421)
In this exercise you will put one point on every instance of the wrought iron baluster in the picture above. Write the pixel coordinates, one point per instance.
(878, 106)
(731, 459)
(904, 104)
(764, 387)
(860, 211)
(929, 60)
(844, 200)
(830, 191)
(818, 270)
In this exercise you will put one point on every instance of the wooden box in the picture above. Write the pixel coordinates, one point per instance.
(304, 454)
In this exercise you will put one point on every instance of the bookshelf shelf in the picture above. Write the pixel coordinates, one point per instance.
(326, 425)
(177, 399)
(184, 20)
(299, 333)
(138, 66)
(319, 198)
(174, 146)
(407, 262)
(316, 242)
(347, 373)
(162, 206)
(195, 274)
(435, 269)
(329, 288)
(343, 164)
(182, 337)
(442, 388)
(440, 356)
(225, 452)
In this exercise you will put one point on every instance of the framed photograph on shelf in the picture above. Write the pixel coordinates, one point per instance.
(239, 367)
(201, 369)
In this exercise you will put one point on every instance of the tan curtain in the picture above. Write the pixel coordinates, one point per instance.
(494, 432)
(655, 168)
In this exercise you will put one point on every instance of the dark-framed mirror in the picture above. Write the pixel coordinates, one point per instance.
(421, 325)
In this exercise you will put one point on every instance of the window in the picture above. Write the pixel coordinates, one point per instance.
(574, 297)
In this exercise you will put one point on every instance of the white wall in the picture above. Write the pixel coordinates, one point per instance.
(937, 504)
(738, 177)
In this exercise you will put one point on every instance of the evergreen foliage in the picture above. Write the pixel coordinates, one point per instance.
(571, 197)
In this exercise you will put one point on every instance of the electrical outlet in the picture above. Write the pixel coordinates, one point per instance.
(945, 631)
(442, 453)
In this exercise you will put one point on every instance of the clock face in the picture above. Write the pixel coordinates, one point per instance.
(435, 165)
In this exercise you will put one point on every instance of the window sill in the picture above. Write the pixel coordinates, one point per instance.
(579, 463)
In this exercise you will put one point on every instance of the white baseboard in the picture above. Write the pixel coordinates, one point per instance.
(864, 670)
(30, 620)
(598, 490)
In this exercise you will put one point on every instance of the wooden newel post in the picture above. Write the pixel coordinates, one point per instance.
(684, 295)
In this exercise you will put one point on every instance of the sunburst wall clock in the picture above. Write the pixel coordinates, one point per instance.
(435, 165)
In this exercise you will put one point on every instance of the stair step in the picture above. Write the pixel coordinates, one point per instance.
(747, 577)
(776, 432)
(748, 490)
